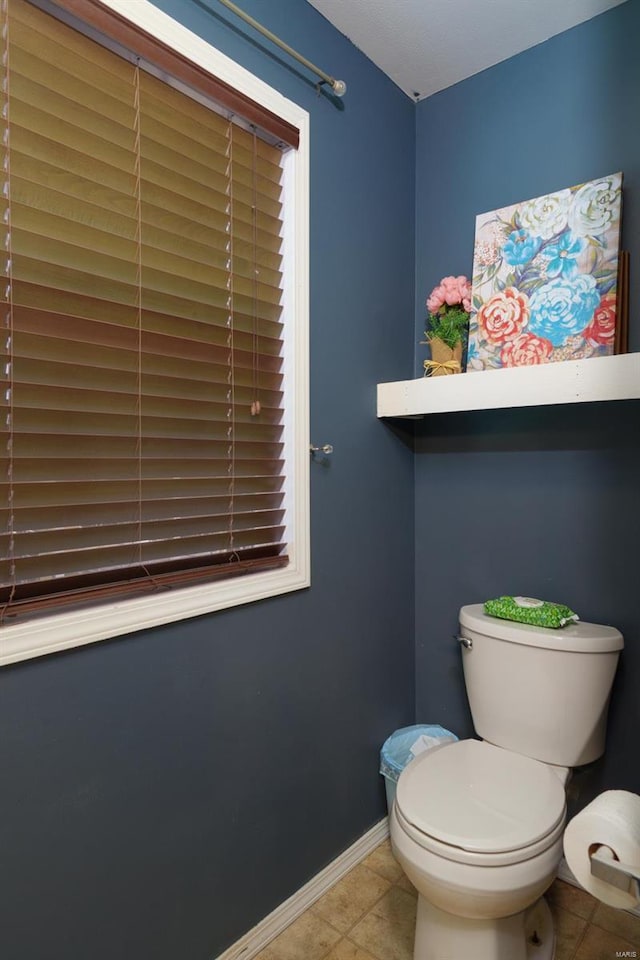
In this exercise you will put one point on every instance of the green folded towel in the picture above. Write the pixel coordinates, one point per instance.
(538, 613)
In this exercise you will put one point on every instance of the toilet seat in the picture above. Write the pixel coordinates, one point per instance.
(476, 803)
(458, 855)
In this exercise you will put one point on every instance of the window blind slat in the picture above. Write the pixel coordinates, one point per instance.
(68, 139)
(253, 527)
(34, 209)
(199, 164)
(71, 161)
(167, 357)
(57, 191)
(81, 515)
(94, 389)
(70, 306)
(60, 454)
(201, 196)
(211, 232)
(124, 491)
(109, 255)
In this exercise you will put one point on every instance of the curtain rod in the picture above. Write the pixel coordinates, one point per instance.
(339, 87)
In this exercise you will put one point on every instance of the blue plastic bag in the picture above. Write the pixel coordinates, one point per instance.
(405, 744)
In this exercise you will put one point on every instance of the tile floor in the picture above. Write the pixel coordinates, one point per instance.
(370, 915)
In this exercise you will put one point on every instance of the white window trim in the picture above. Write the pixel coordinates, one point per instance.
(62, 631)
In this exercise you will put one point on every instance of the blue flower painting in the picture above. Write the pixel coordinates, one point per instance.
(520, 247)
(545, 275)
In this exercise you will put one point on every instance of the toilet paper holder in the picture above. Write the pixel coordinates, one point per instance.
(624, 876)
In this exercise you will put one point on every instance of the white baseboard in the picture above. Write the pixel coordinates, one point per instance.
(257, 939)
(565, 873)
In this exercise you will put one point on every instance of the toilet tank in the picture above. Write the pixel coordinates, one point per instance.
(536, 691)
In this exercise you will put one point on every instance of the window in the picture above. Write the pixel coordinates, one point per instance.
(155, 348)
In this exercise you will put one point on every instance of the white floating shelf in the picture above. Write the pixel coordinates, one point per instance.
(569, 381)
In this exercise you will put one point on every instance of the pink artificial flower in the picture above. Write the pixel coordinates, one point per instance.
(436, 299)
(452, 296)
(464, 286)
(450, 291)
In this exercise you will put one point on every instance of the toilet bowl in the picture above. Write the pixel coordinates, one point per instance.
(478, 831)
(477, 825)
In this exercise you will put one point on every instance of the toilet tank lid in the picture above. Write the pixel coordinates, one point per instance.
(580, 637)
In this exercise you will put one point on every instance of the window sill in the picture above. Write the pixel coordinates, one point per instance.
(572, 381)
(53, 634)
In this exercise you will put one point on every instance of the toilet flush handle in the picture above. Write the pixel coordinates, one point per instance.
(465, 642)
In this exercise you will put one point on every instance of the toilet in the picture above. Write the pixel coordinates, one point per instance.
(477, 825)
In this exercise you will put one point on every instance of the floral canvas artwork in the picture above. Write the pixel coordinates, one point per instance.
(545, 277)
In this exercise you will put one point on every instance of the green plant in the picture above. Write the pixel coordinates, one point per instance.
(449, 324)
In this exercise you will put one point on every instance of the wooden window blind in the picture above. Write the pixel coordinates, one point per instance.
(142, 347)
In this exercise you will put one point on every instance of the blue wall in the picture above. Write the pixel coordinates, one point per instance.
(165, 791)
(540, 502)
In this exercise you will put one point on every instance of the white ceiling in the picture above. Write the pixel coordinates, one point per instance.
(427, 45)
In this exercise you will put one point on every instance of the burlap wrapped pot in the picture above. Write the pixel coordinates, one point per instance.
(444, 360)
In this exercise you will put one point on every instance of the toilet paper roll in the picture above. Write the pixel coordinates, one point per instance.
(612, 820)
